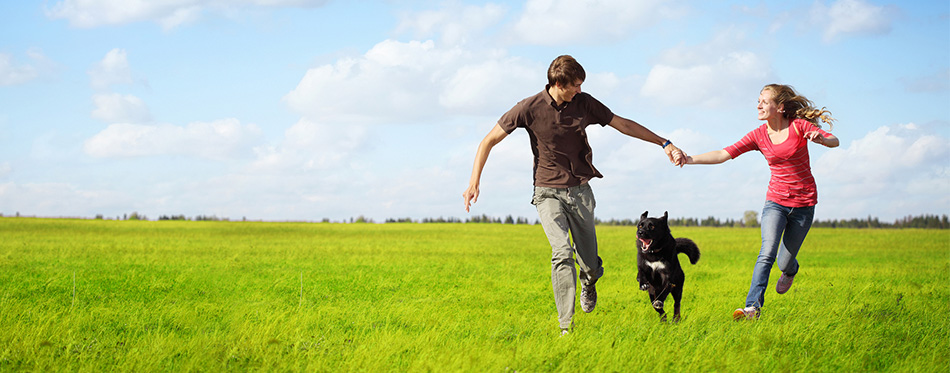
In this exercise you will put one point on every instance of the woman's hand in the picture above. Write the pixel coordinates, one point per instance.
(677, 156)
(814, 136)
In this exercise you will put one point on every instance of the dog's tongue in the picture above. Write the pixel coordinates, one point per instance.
(646, 243)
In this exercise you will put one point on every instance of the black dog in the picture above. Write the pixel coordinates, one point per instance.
(659, 270)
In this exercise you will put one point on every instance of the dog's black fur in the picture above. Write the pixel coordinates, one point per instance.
(659, 271)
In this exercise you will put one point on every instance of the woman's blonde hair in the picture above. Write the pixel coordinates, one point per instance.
(797, 106)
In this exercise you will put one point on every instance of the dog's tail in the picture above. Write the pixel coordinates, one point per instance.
(688, 247)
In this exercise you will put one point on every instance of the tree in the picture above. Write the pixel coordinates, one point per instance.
(750, 219)
(710, 222)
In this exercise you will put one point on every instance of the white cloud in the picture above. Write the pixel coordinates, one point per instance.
(92, 13)
(557, 22)
(315, 171)
(222, 139)
(410, 82)
(5, 169)
(712, 74)
(12, 72)
(886, 156)
(454, 24)
(117, 108)
(486, 86)
(167, 13)
(59, 200)
(392, 80)
(308, 145)
(851, 17)
(112, 69)
(898, 170)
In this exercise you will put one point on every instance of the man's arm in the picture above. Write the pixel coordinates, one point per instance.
(495, 136)
(634, 129)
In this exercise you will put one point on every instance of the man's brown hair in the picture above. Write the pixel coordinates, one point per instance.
(565, 71)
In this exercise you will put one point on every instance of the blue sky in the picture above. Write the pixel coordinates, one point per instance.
(311, 110)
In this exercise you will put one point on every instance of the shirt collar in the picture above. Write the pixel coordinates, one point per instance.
(551, 101)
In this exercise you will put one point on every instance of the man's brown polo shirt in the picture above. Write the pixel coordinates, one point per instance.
(562, 155)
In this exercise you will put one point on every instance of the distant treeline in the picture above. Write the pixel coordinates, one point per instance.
(923, 221)
(749, 220)
(197, 218)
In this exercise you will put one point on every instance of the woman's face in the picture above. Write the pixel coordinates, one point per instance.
(767, 107)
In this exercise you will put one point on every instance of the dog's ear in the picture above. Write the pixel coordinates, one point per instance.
(644, 216)
(665, 215)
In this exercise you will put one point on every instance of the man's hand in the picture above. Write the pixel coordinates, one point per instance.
(481, 156)
(677, 156)
(470, 195)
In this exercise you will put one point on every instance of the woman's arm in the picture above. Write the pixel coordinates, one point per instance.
(828, 139)
(713, 157)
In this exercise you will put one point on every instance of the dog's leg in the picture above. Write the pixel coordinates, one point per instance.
(642, 279)
(657, 303)
(677, 292)
(657, 297)
(658, 306)
(664, 286)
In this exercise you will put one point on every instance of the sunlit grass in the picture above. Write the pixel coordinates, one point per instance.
(212, 296)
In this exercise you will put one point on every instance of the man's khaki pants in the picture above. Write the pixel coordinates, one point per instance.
(567, 213)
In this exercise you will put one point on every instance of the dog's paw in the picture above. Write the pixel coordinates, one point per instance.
(644, 287)
(658, 304)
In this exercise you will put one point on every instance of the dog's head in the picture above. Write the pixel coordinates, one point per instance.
(650, 230)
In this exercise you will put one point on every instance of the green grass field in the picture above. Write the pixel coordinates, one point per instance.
(93, 295)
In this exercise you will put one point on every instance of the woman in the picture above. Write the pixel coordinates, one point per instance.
(792, 120)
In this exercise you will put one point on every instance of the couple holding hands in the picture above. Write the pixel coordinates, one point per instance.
(556, 119)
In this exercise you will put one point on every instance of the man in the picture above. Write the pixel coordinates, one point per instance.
(556, 120)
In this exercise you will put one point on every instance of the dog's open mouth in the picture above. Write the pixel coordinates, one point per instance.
(645, 243)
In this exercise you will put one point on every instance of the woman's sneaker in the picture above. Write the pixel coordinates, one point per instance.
(784, 283)
(748, 313)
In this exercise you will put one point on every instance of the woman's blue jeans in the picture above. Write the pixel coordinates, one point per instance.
(783, 231)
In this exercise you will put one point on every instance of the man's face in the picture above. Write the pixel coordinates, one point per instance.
(567, 93)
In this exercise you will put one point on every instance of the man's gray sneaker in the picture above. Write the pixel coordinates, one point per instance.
(588, 297)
